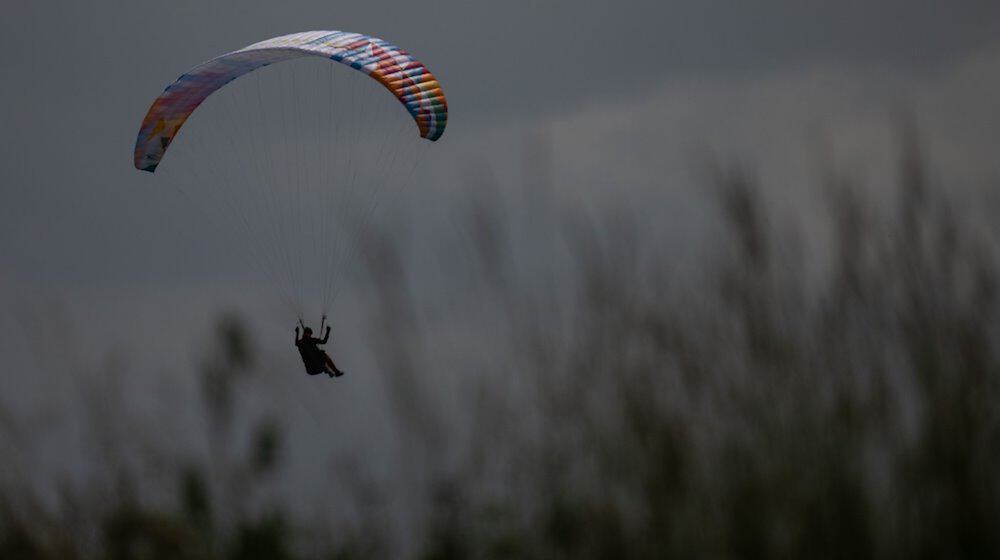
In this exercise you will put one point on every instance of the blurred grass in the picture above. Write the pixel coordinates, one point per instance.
(828, 399)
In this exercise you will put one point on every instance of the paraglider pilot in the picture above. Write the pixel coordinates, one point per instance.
(316, 361)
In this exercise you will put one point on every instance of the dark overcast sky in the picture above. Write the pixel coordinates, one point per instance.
(500, 58)
(613, 82)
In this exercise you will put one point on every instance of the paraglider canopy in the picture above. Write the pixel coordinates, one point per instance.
(296, 160)
(406, 77)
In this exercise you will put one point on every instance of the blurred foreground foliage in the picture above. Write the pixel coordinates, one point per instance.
(806, 398)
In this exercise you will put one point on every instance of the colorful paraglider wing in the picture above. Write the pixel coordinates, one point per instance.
(406, 77)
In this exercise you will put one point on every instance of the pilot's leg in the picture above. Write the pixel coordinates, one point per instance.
(331, 367)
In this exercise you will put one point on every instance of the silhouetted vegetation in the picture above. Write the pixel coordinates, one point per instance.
(820, 388)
